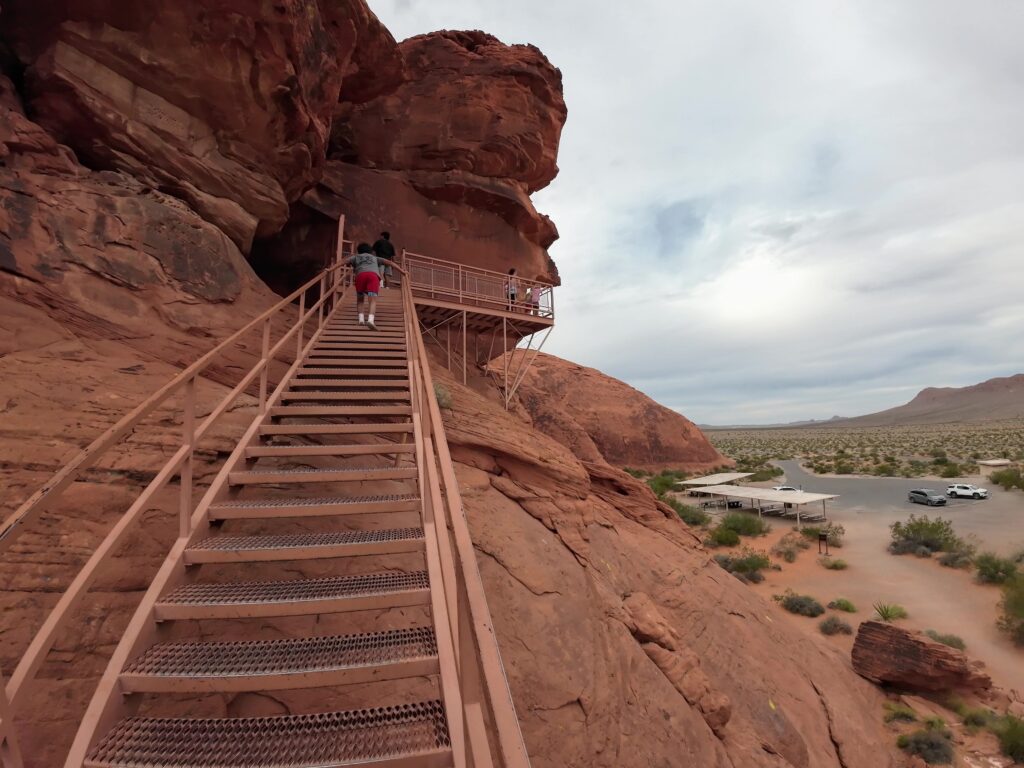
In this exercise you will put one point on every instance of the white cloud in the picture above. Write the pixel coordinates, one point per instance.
(780, 210)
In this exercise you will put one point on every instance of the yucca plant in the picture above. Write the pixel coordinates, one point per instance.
(890, 611)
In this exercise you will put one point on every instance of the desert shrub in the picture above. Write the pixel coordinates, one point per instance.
(804, 605)
(789, 546)
(935, 723)
(920, 533)
(665, 481)
(953, 641)
(889, 611)
(443, 396)
(993, 569)
(1010, 732)
(975, 717)
(833, 625)
(723, 537)
(745, 525)
(923, 551)
(885, 470)
(688, 514)
(746, 566)
(834, 531)
(1008, 479)
(931, 745)
(1012, 607)
(900, 712)
(833, 564)
(950, 470)
(958, 558)
(637, 473)
(842, 604)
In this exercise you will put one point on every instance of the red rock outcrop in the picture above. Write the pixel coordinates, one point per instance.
(603, 419)
(445, 158)
(226, 105)
(890, 655)
(625, 644)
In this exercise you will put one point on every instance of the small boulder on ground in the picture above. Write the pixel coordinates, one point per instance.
(887, 654)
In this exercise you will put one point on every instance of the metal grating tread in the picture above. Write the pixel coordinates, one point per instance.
(297, 590)
(326, 740)
(302, 540)
(285, 656)
(312, 471)
(314, 502)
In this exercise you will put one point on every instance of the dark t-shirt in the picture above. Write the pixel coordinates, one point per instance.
(384, 249)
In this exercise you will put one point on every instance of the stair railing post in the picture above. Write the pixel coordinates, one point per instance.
(265, 362)
(321, 302)
(188, 440)
(10, 752)
(302, 322)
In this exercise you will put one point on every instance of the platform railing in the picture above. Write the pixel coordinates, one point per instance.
(476, 286)
(180, 466)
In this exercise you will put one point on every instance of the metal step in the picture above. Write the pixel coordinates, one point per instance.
(351, 383)
(304, 546)
(303, 476)
(292, 395)
(369, 449)
(269, 665)
(370, 428)
(386, 737)
(400, 371)
(302, 597)
(324, 506)
(378, 335)
(347, 353)
(357, 363)
(341, 410)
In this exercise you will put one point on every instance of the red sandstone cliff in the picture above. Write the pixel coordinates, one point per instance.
(145, 151)
(603, 419)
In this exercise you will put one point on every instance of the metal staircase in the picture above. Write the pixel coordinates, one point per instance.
(330, 552)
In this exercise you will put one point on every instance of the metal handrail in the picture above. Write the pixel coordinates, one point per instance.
(180, 463)
(486, 696)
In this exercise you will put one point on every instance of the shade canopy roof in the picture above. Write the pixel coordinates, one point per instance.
(718, 479)
(767, 494)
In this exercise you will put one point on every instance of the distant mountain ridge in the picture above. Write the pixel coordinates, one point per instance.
(997, 399)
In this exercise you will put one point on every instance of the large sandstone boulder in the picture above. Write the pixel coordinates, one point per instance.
(224, 104)
(887, 654)
(603, 419)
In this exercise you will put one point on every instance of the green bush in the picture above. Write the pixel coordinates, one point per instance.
(746, 566)
(959, 558)
(923, 533)
(833, 625)
(833, 564)
(993, 569)
(950, 470)
(443, 396)
(1009, 478)
(842, 604)
(765, 473)
(975, 717)
(804, 605)
(953, 641)
(1010, 732)
(1012, 606)
(744, 524)
(900, 712)
(723, 537)
(637, 473)
(665, 481)
(693, 516)
(833, 531)
(933, 746)
(889, 611)
(789, 546)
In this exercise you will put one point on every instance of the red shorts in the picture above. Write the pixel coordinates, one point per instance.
(367, 283)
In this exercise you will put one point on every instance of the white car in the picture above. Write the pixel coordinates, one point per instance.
(785, 488)
(958, 490)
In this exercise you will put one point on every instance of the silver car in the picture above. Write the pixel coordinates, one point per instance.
(927, 497)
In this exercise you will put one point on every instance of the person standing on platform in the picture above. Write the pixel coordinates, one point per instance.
(385, 250)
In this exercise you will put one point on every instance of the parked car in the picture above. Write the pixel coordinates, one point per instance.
(784, 488)
(928, 497)
(963, 490)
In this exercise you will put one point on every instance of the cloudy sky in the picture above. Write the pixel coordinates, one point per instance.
(780, 210)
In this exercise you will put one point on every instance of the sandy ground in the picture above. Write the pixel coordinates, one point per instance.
(939, 598)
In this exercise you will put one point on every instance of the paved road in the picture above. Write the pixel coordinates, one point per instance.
(997, 521)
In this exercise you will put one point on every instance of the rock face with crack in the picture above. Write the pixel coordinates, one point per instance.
(887, 654)
(603, 419)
